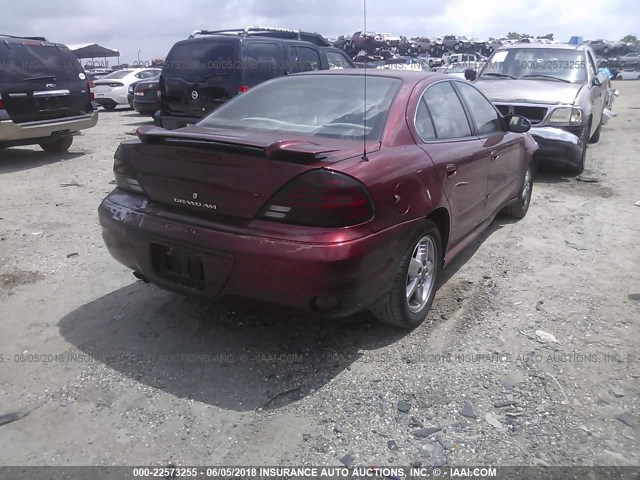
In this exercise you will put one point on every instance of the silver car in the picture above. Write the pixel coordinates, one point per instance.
(558, 88)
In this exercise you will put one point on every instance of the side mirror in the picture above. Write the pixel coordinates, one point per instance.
(470, 74)
(599, 79)
(518, 124)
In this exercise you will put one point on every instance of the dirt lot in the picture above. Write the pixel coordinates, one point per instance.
(97, 368)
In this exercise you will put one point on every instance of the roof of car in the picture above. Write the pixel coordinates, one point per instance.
(559, 46)
(16, 39)
(407, 76)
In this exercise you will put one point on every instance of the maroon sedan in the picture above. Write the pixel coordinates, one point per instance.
(303, 192)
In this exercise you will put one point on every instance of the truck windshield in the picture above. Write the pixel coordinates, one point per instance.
(552, 64)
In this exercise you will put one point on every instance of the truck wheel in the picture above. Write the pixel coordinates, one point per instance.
(59, 145)
(415, 281)
(596, 135)
(579, 168)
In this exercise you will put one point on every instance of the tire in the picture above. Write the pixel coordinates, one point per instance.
(519, 207)
(595, 138)
(109, 106)
(578, 169)
(59, 145)
(430, 63)
(398, 310)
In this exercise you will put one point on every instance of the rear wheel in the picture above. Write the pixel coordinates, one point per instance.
(109, 106)
(415, 281)
(519, 207)
(59, 145)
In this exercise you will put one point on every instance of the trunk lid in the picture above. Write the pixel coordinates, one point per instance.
(42, 81)
(232, 173)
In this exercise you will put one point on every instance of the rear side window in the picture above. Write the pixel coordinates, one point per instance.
(337, 61)
(449, 118)
(424, 125)
(117, 75)
(146, 74)
(261, 61)
(22, 62)
(309, 59)
(200, 60)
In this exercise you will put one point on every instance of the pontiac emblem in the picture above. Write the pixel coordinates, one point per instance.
(194, 95)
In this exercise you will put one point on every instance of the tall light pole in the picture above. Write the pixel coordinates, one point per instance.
(138, 57)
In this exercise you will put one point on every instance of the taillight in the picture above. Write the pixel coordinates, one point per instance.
(243, 88)
(320, 198)
(115, 84)
(124, 174)
(90, 86)
(2, 107)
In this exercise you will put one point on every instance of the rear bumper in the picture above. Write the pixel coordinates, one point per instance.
(146, 108)
(118, 96)
(557, 145)
(172, 122)
(331, 279)
(10, 131)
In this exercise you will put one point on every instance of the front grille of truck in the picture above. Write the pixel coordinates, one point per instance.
(533, 114)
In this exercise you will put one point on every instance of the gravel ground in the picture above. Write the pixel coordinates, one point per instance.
(97, 368)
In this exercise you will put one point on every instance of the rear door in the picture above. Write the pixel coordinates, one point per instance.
(199, 75)
(42, 81)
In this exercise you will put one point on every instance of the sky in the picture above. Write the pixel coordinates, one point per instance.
(150, 27)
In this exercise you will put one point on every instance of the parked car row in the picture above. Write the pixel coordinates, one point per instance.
(365, 181)
(558, 88)
(45, 95)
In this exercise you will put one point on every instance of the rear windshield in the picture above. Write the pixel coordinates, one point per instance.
(118, 74)
(200, 60)
(312, 105)
(22, 62)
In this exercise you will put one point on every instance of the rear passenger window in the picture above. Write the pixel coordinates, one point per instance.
(261, 62)
(309, 59)
(337, 61)
(424, 125)
(449, 118)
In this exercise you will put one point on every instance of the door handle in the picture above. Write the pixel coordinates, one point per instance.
(451, 170)
(494, 155)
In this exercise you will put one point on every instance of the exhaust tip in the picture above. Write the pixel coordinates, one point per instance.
(140, 276)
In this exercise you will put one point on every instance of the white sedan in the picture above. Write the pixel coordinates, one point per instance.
(111, 90)
(628, 75)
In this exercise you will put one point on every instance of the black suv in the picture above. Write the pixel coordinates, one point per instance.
(45, 96)
(210, 67)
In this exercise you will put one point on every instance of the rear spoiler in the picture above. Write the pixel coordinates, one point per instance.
(302, 151)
